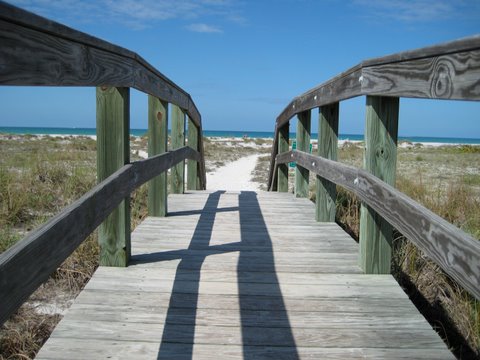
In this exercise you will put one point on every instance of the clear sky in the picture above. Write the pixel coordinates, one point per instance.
(243, 61)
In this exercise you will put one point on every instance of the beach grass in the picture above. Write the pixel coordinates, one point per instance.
(39, 176)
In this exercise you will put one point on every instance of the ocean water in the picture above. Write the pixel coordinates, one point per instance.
(226, 133)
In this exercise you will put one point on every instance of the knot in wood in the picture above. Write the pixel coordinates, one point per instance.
(441, 83)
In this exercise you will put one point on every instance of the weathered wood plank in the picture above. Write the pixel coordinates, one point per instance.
(380, 159)
(450, 76)
(303, 144)
(157, 144)
(261, 336)
(135, 299)
(326, 191)
(193, 180)
(28, 263)
(38, 51)
(444, 71)
(283, 146)
(177, 173)
(94, 348)
(341, 87)
(455, 251)
(113, 152)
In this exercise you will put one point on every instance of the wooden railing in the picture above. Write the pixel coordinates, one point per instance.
(447, 71)
(37, 51)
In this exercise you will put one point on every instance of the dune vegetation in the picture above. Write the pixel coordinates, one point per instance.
(40, 175)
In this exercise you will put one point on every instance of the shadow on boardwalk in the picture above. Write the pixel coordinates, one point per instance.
(265, 328)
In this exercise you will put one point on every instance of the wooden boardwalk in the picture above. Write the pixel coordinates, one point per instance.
(231, 275)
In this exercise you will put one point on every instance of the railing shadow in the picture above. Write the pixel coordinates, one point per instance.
(187, 292)
(265, 327)
(265, 320)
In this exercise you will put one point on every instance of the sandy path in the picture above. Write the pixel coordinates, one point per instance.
(234, 176)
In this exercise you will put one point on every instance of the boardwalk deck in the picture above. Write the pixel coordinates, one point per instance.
(248, 275)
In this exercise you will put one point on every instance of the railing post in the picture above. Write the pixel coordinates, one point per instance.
(113, 152)
(177, 177)
(157, 144)
(326, 191)
(283, 146)
(193, 181)
(380, 158)
(303, 144)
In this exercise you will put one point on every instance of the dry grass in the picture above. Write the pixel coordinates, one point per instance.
(40, 176)
(445, 180)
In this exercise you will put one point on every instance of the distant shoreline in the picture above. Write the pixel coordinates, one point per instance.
(229, 134)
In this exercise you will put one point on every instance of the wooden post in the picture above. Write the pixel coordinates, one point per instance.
(326, 191)
(303, 144)
(178, 140)
(283, 146)
(113, 152)
(157, 144)
(193, 181)
(380, 158)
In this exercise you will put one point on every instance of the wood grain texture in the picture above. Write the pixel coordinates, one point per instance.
(326, 191)
(283, 146)
(157, 144)
(177, 173)
(113, 152)
(445, 71)
(28, 263)
(193, 180)
(453, 76)
(380, 159)
(221, 276)
(455, 251)
(38, 51)
(303, 144)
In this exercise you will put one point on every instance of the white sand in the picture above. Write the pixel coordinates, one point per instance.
(234, 176)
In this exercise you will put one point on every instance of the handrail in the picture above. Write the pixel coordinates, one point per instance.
(423, 227)
(79, 60)
(446, 71)
(56, 55)
(29, 263)
(37, 51)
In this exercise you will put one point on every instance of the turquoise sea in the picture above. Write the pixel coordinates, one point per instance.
(225, 133)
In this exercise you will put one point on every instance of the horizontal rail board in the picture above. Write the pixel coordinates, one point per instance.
(445, 71)
(38, 51)
(30, 262)
(456, 252)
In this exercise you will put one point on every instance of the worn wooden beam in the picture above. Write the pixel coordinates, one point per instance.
(380, 159)
(202, 173)
(29, 263)
(303, 144)
(445, 71)
(326, 191)
(193, 180)
(177, 174)
(283, 146)
(38, 51)
(451, 76)
(341, 87)
(157, 144)
(113, 151)
(455, 251)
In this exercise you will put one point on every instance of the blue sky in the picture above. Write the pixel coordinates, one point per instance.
(243, 61)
